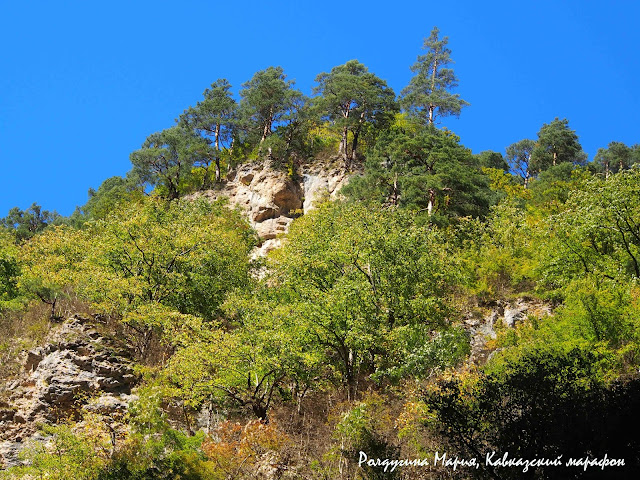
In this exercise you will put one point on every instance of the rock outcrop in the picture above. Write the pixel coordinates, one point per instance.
(271, 199)
(502, 315)
(77, 370)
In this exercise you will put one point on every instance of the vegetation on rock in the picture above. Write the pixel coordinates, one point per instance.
(445, 302)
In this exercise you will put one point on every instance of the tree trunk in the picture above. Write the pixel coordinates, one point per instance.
(346, 111)
(432, 198)
(352, 386)
(356, 136)
(217, 169)
(265, 132)
(343, 147)
(233, 141)
(173, 188)
(217, 147)
(267, 126)
(432, 107)
(527, 173)
(394, 194)
(260, 411)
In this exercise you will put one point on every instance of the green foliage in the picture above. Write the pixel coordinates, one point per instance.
(597, 233)
(166, 159)
(292, 140)
(154, 450)
(244, 366)
(491, 159)
(540, 404)
(79, 453)
(52, 265)
(425, 169)
(26, 223)
(352, 99)
(422, 354)
(215, 117)
(9, 269)
(428, 94)
(616, 157)
(556, 144)
(366, 294)
(362, 429)
(500, 255)
(266, 100)
(182, 255)
(506, 185)
(367, 282)
(552, 187)
(519, 158)
(113, 192)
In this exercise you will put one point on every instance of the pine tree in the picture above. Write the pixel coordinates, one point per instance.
(556, 144)
(428, 94)
(351, 98)
(519, 158)
(213, 117)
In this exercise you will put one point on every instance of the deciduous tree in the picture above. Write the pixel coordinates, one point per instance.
(184, 256)
(369, 287)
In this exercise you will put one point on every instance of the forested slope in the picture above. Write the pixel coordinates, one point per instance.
(421, 300)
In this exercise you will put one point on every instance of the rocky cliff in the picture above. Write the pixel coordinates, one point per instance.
(77, 370)
(271, 199)
(501, 315)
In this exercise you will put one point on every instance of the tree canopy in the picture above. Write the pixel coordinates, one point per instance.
(556, 144)
(351, 98)
(428, 94)
(166, 159)
(214, 117)
(425, 169)
(266, 99)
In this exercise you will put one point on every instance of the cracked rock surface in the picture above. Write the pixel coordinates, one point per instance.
(271, 199)
(78, 369)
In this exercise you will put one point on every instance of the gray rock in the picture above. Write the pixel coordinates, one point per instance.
(58, 379)
(515, 313)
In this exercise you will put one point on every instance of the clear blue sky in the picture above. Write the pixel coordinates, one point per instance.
(83, 83)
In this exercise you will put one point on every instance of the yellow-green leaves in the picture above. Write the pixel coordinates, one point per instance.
(53, 264)
(358, 275)
(182, 255)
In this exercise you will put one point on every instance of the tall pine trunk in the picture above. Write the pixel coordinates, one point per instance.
(217, 147)
(343, 147)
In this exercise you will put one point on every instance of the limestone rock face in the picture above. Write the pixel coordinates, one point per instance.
(76, 370)
(508, 314)
(271, 199)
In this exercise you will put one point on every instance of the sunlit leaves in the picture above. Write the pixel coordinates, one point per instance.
(183, 255)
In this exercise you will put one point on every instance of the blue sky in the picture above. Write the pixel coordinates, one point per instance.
(82, 84)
